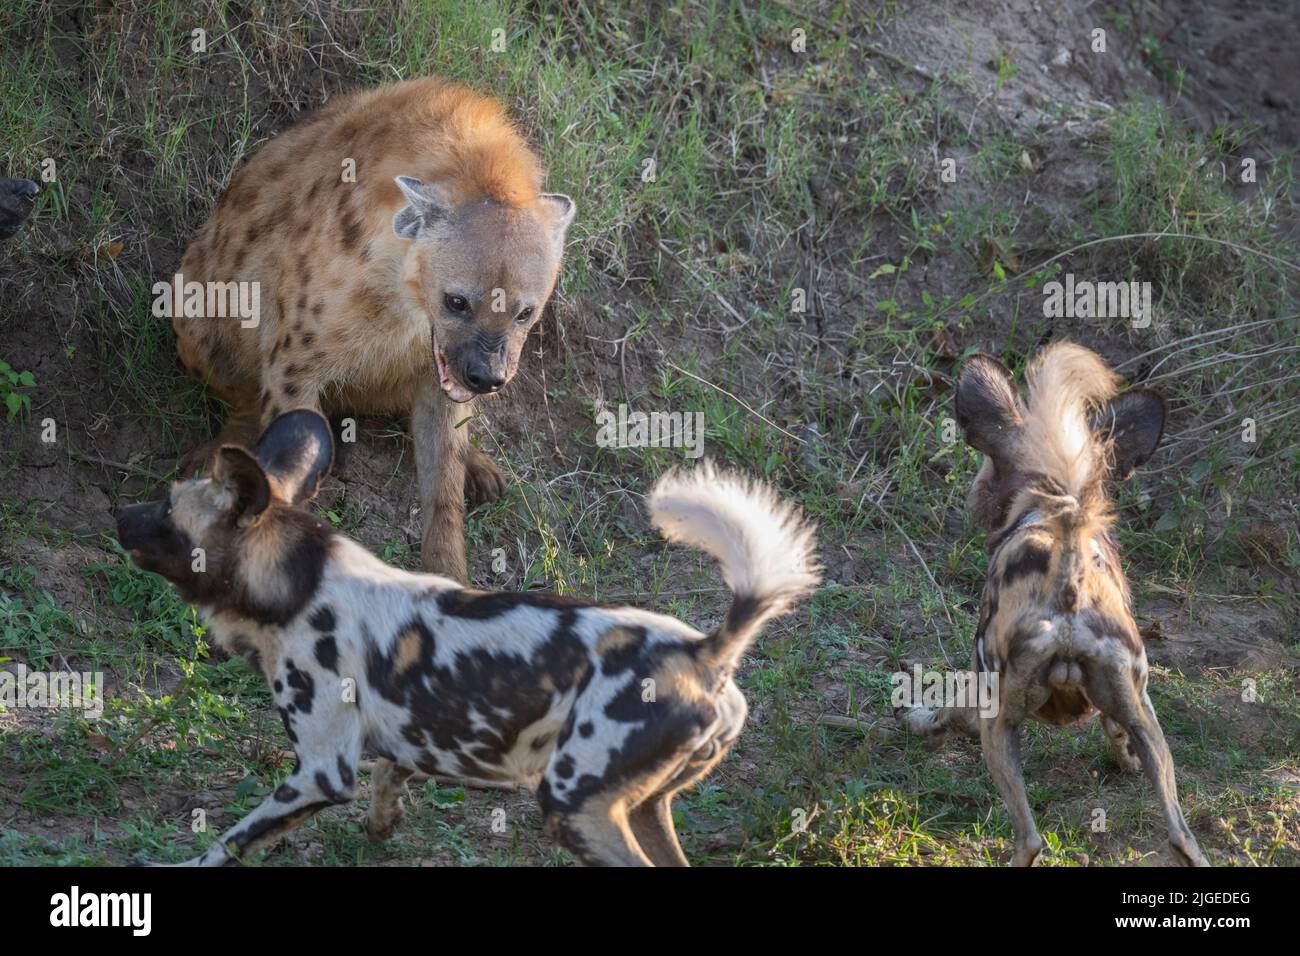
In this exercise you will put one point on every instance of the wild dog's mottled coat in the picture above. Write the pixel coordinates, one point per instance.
(1055, 625)
(610, 710)
(406, 290)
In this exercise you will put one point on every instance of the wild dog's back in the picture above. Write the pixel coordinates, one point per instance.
(1055, 589)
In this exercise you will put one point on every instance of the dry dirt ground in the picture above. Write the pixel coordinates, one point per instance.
(779, 170)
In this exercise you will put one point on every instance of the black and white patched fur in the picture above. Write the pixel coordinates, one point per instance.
(608, 710)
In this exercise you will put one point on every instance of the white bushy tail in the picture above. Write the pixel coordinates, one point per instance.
(764, 546)
(1067, 382)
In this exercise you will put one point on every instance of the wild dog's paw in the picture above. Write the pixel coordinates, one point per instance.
(1188, 854)
(484, 482)
(924, 723)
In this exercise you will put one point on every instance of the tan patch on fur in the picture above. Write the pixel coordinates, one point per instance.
(615, 639)
(679, 677)
(196, 506)
(406, 652)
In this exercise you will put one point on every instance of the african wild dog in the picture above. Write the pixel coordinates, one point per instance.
(1056, 627)
(614, 708)
(403, 250)
(17, 200)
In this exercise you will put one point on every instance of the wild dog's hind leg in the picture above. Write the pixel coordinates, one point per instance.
(1000, 737)
(1114, 692)
(440, 472)
(652, 819)
(385, 813)
(652, 826)
(599, 832)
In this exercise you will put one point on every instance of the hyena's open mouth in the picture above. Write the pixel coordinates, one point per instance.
(452, 386)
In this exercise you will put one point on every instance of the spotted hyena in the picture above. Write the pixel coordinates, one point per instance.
(402, 249)
(609, 710)
(1056, 630)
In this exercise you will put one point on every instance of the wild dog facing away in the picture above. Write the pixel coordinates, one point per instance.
(1056, 627)
(402, 250)
(615, 709)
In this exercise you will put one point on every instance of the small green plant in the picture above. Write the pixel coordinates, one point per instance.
(11, 383)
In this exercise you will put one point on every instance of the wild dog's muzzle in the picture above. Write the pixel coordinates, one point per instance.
(140, 525)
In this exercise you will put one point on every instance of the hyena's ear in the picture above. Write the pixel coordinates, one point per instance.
(1132, 423)
(560, 210)
(989, 410)
(242, 473)
(296, 452)
(426, 204)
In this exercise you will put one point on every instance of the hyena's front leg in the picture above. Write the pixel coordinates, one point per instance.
(440, 470)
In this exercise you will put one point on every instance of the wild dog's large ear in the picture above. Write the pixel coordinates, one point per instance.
(242, 473)
(296, 451)
(989, 410)
(560, 209)
(427, 203)
(1132, 423)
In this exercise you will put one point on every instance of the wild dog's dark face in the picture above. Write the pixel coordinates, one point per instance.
(484, 273)
(17, 200)
(161, 536)
(992, 418)
(232, 537)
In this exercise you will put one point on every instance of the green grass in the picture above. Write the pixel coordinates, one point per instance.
(813, 172)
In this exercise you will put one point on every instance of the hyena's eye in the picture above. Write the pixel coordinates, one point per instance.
(455, 303)
(525, 314)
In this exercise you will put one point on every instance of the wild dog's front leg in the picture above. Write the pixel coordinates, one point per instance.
(440, 470)
(324, 726)
(308, 790)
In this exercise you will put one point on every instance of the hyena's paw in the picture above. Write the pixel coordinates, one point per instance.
(484, 482)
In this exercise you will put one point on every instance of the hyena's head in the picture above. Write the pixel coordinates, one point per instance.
(483, 270)
(1074, 433)
(235, 540)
